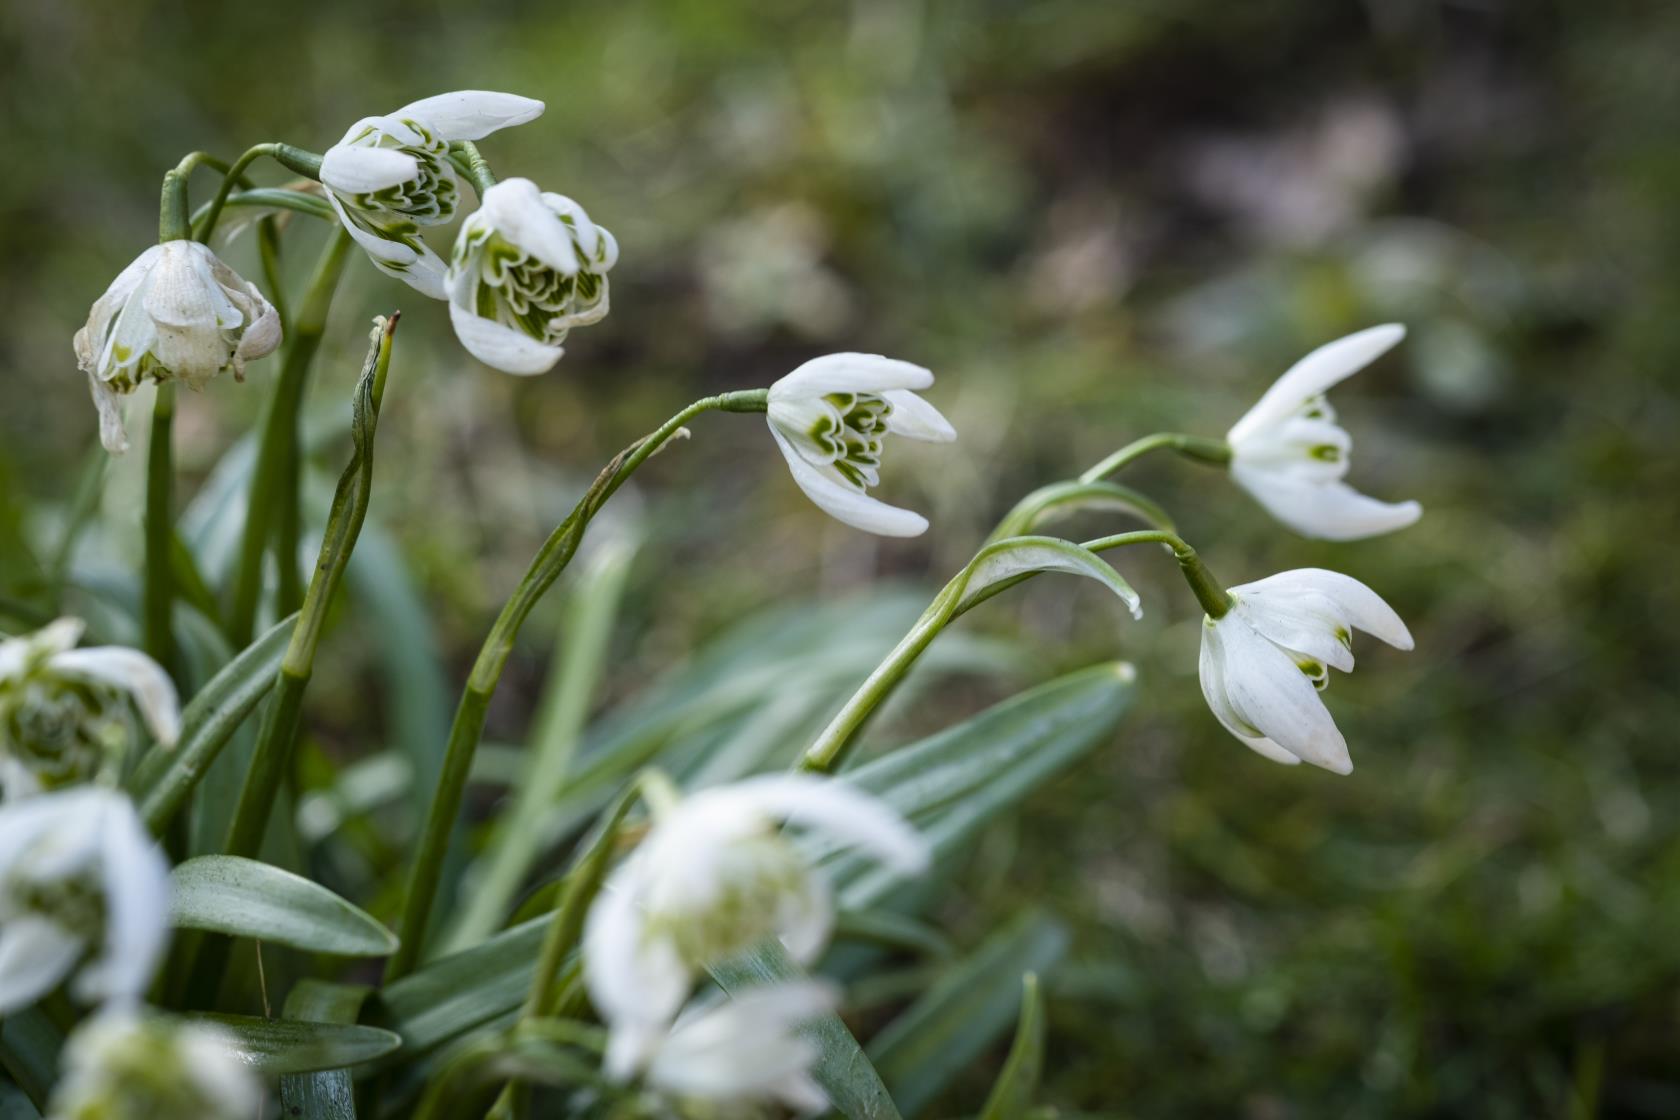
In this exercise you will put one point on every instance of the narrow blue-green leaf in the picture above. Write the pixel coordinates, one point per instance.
(854, 1088)
(458, 993)
(1003, 563)
(247, 898)
(951, 1025)
(15, 1103)
(29, 1049)
(164, 778)
(325, 1094)
(280, 1046)
(1012, 1093)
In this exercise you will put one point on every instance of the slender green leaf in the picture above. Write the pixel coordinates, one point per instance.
(29, 1049)
(246, 898)
(280, 1046)
(854, 1088)
(1012, 1094)
(949, 1027)
(1004, 563)
(325, 1094)
(15, 1103)
(461, 992)
(164, 779)
(1064, 499)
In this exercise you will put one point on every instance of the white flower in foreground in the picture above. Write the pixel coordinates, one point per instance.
(713, 878)
(528, 266)
(79, 874)
(830, 417)
(64, 714)
(1289, 452)
(176, 313)
(391, 175)
(1264, 663)
(732, 1058)
(120, 1065)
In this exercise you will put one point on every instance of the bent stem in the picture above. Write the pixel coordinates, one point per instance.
(551, 559)
(158, 591)
(1200, 448)
(296, 159)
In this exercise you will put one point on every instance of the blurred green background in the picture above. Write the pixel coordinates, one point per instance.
(1093, 221)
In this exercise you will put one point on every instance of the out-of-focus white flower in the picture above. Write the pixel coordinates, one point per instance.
(1264, 663)
(831, 416)
(733, 1058)
(528, 266)
(122, 1065)
(176, 313)
(79, 874)
(391, 175)
(64, 718)
(713, 878)
(1289, 452)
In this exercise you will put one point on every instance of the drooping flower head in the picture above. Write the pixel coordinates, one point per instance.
(176, 313)
(735, 1058)
(122, 1065)
(1265, 662)
(528, 266)
(1289, 452)
(79, 878)
(65, 715)
(390, 176)
(831, 417)
(713, 878)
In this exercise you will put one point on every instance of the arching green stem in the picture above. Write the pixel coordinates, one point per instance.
(1215, 451)
(305, 163)
(158, 588)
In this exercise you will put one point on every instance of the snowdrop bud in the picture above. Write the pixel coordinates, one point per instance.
(1266, 660)
(65, 716)
(831, 417)
(176, 313)
(528, 266)
(79, 877)
(120, 1065)
(713, 878)
(734, 1058)
(390, 176)
(1289, 452)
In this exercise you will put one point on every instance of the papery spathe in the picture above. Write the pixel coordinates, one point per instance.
(176, 313)
(1264, 663)
(830, 417)
(1292, 456)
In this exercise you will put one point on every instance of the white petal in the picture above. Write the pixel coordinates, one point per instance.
(1332, 511)
(35, 954)
(504, 348)
(1212, 673)
(516, 210)
(136, 674)
(359, 227)
(914, 418)
(113, 433)
(471, 114)
(805, 918)
(1364, 608)
(1315, 373)
(843, 503)
(354, 169)
(745, 1049)
(135, 877)
(595, 243)
(1269, 692)
(850, 373)
(1306, 623)
(636, 982)
(834, 808)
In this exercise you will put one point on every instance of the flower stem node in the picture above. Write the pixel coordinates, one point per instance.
(528, 266)
(391, 176)
(1265, 662)
(123, 1065)
(831, 417)
(176, 314)
(1292, 456)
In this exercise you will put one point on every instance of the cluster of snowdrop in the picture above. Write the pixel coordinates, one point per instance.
(84, 890)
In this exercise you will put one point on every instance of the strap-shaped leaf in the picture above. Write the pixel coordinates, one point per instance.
(845, 1073)
(1012, 1093)
(463, 991)
(281, 1046)
(949, 1027)
(29, 1049)
(1005, 563)
(326, 1094)
(164, 778)
(247, 898)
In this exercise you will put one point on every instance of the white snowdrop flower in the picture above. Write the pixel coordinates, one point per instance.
(176, 313)
(123, 1065)
(79, 877)
(1289, 452)
(64, 712)
(391, 175)
(713, 878)
(733, 1058)
(528, 266)
(831, 417)
(1264, 663)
